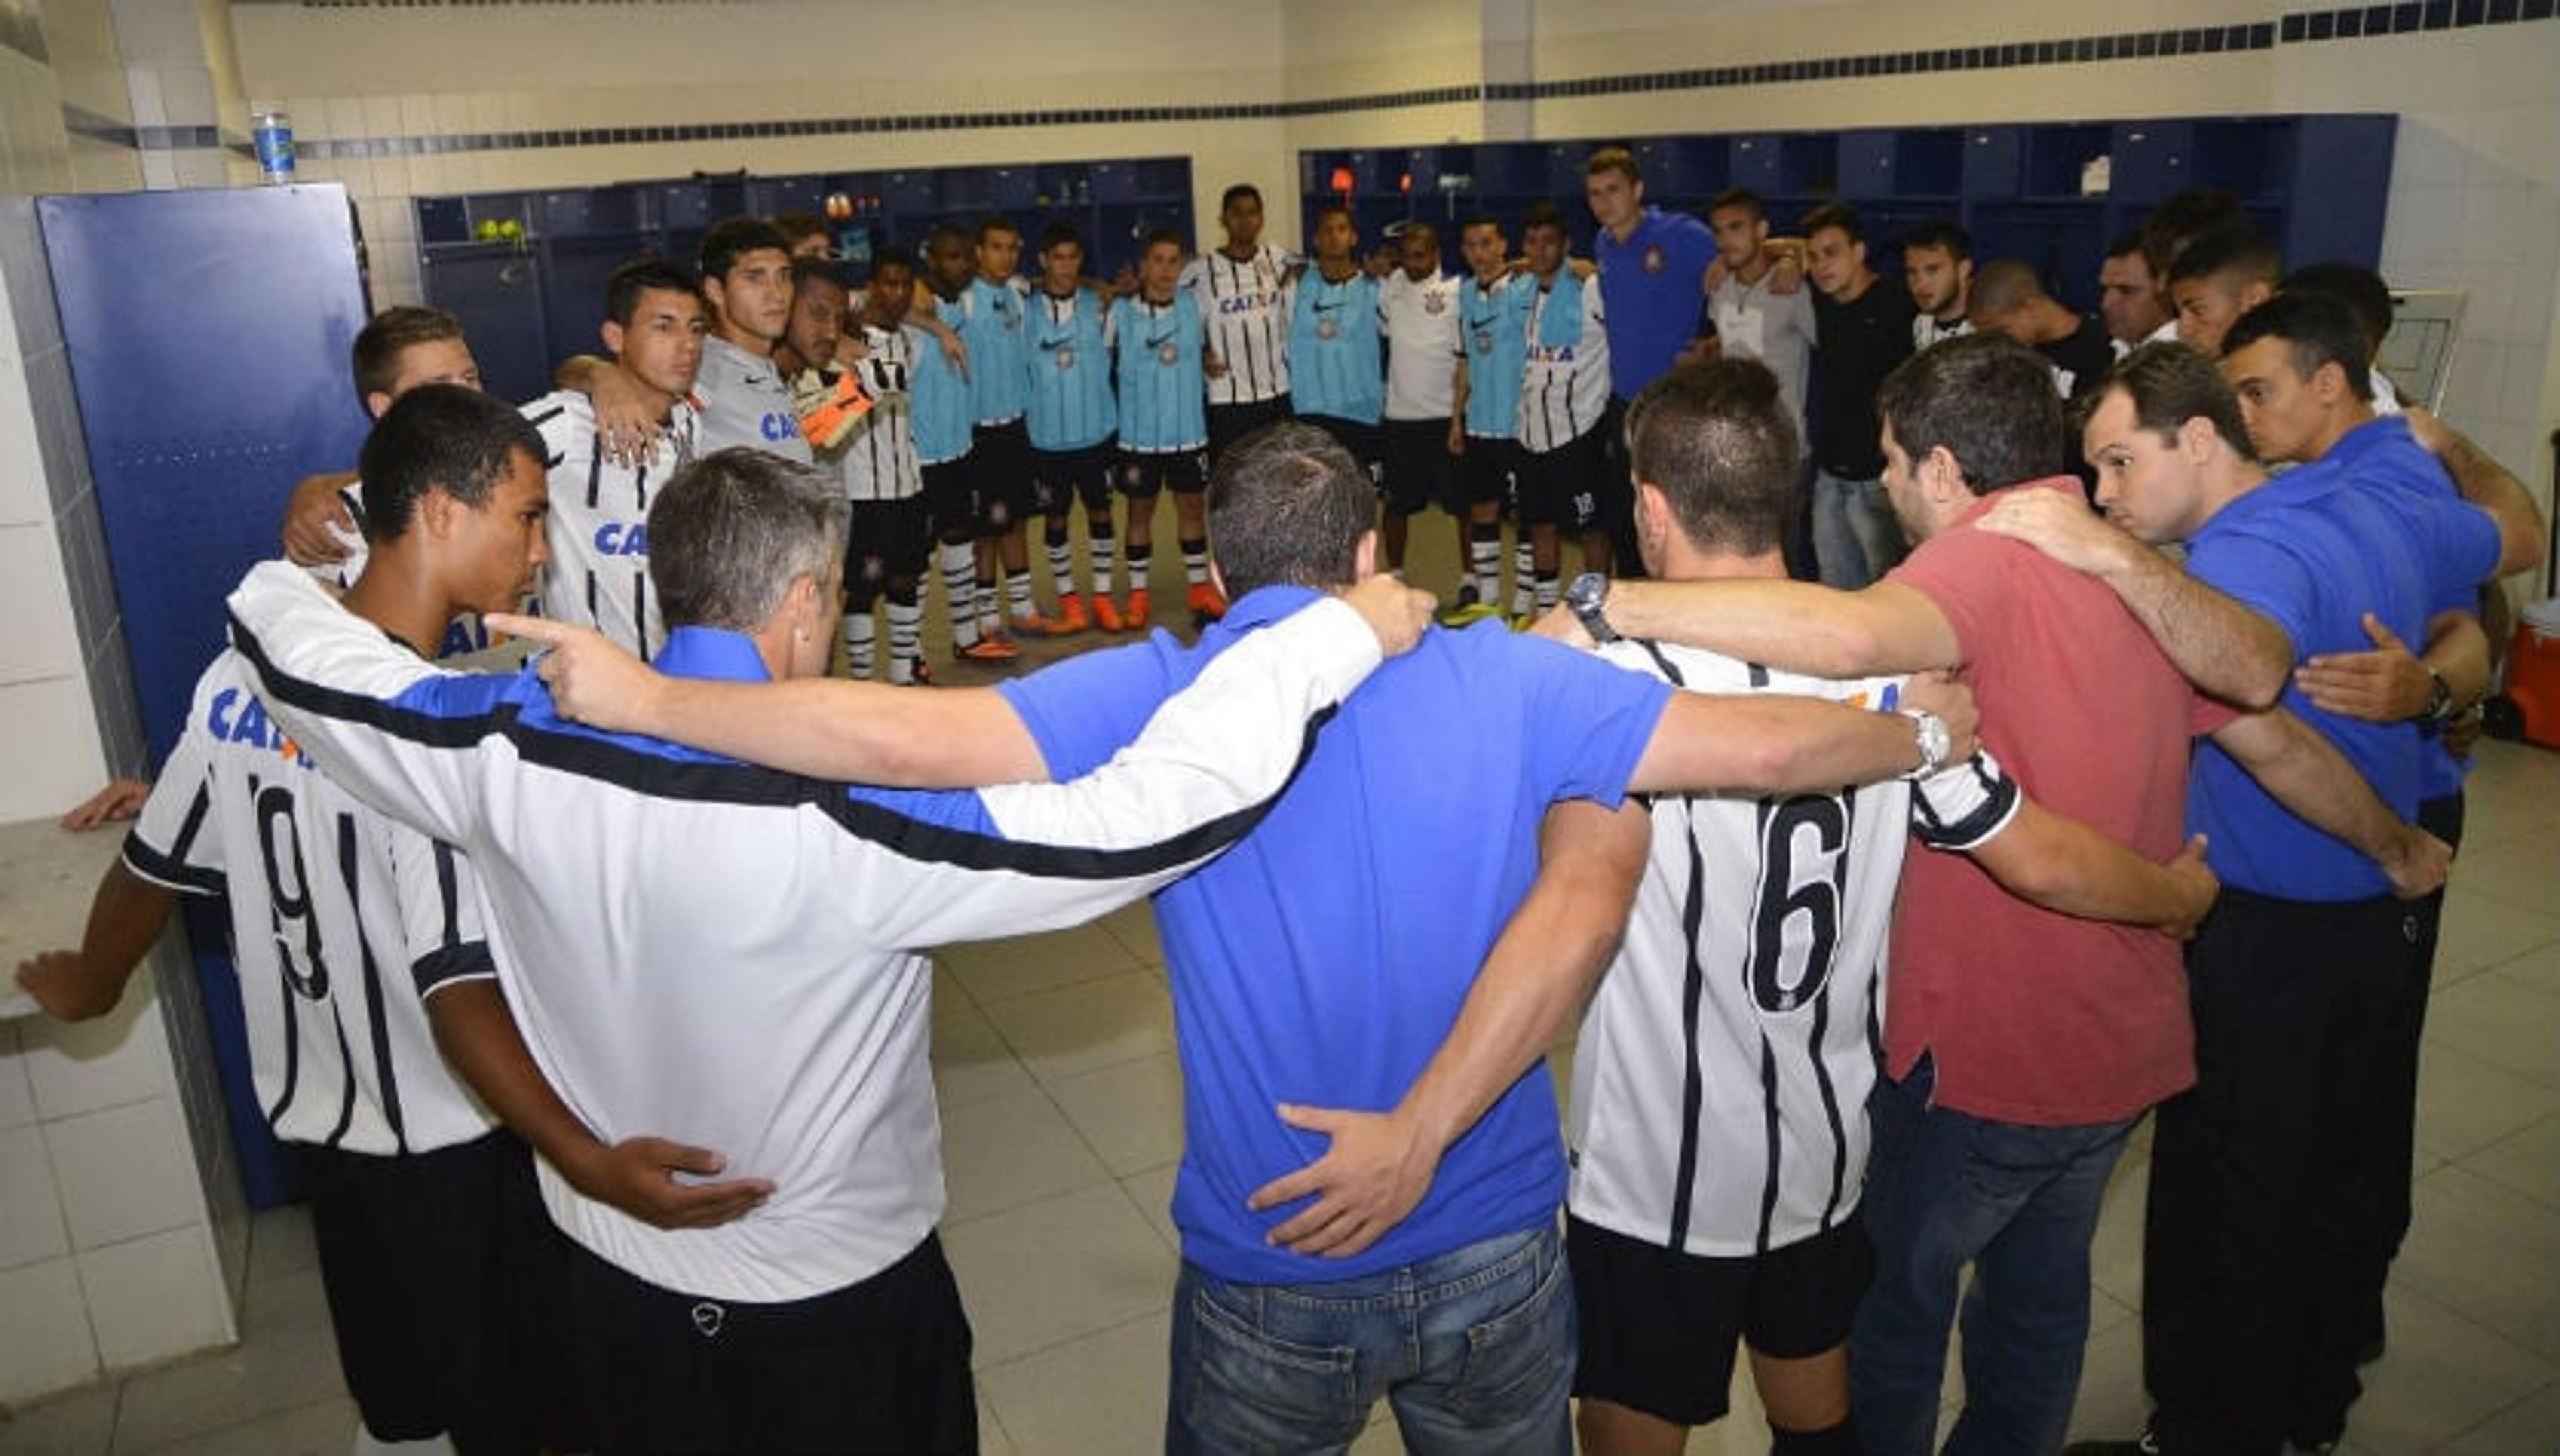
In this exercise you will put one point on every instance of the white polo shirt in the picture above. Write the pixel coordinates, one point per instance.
(1422, 324)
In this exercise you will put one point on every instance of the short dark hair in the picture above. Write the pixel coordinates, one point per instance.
(1328, 209)
(1988, 399)
(2127, 244)
(1738, 197)
(944, 232)
(1544, 215)
(995, 223)
(1838, 215)
(2316, 328)
(1239, 192)
(892, 257)
(817, 270)
(1058, 233)
(2182, 217)
(1473, 221)
(795, 225)
(1288, 504)
(731, 238)
(1613, 159)
(2171, 384)
(1158, 237)
(2361, 288)
(731, 531)
(375, 358)
(1718, 441)
(2001, 285)
(644, 276)
(1949, 235)
(2236, 249)
(445, 438)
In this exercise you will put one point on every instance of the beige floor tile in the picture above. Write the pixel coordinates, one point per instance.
(1131, 1116)
(2110, 1403)
(1134, 927)
(2526, 1428)
(1048, 1272)
(1049, 1401)
(1153, 1192)
(2465, 1104)
(2116, 1253)
(323, 1428)
(288, 1362)
(2502, 1022)
(2537, 969)
(1011, 1150)
(78, 1423)
(993, 1438)
(1065, 1033)
(2480, 932)
(2527, 1163)
(2517, 871)
(972, 1061)
(279, 1244)
(2486, 1253)
(2441, 1374)
(1000, 970)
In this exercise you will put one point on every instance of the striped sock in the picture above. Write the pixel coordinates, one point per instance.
(1485, 559)
(905, 635)
(1548, 593)
(1105, 551)
(1524, 570)
(859, 631)
(1196, 563)
(1062, 561)
(959, 565)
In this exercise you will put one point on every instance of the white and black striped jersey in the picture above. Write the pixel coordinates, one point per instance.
(729, 956)
(877, 460)
(1564, 387)
(1720, 1082)
(744, 401)
(1926, 330)
(1246, 305)
(463, 636)
(341, 919)
(599, 526)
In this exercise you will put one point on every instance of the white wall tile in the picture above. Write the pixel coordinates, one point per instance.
(120, 1058)
(187, 92)
(42, 641)
(44, 1343)
(157, 1297)
(125, 1172)
(30, 1211)
(23, 500)
(17, 1099)
(49, 739)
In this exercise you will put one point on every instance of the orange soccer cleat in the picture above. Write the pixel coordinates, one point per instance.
(1138, 610)
(1106, 612)
(1070, 617)
(1206, 602)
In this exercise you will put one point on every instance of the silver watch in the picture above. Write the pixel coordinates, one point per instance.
(1929, 730)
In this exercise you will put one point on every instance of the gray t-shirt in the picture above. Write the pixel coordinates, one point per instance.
(745, 402)
(1774, 328)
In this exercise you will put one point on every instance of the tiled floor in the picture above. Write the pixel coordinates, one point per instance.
(1060, 1098)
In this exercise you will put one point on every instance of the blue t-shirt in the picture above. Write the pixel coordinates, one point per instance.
(991, 323)
(1651, 286)
(1324, 958)
(1493, 337)
(2362, 529)
(941, 411)
(1336, 349)
(1160, 386)
(1069, 370)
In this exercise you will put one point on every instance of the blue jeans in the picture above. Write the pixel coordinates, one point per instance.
(1472, 1348)
(2020, 1205)
(1855, 538)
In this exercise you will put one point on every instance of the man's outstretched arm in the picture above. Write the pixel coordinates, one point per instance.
(1772, 744)
(1544, 964)
(2308, 775)
(1795, 625)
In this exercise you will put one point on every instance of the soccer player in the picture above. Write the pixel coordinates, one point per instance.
(361, 952)
(1484, 431)
(2221, 275)
(1563, 409)
(1164, 431)
(1752, 319)
(946, 409)
(1072, 417)
(1720, 1150)
(745, 271)
(1336, 376)
(1418, 306)
(1863, 332)
(598, 573)
(2007, 300)
(1937, 268)
(1245, 288)
(993, 321)
(826, 1319)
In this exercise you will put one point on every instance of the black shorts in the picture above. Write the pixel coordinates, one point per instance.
(1000, 471)
(951, 499)
(1228, 423)
(886, 539)
(1658, 1326)
(1490, 470)
(1366, 442)
(443, 1279)
(1562, 487)
(1061, 477)
(881, 1365)
(1139, 474)
(1420, 471)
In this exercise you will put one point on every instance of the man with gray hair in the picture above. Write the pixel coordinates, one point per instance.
(731, 955)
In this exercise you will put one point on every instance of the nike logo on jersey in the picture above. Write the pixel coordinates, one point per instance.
(1333, 307)
(1158, 339)
(622, 538)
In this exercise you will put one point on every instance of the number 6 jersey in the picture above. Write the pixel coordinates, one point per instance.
(342, 923)
(1720, 1081)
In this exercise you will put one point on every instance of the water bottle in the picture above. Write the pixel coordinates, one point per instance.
(271, 133)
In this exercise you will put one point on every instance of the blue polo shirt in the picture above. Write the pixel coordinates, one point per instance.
(2365, 528)
(1652, 288)
(1324, 958)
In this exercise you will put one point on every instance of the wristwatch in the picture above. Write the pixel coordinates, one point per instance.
(1588, 596)
(1929, 730)
(2440, 697)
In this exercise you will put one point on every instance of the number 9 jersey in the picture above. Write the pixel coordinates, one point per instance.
(1720, 1081)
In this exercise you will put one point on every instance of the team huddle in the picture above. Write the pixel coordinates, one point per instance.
(594, 995)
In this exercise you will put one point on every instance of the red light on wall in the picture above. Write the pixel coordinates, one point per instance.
(1341, 179)
(1404, 183)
